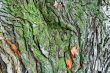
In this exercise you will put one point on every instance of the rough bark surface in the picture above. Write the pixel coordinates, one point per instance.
(43, 36)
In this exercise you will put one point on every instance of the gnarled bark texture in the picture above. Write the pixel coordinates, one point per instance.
(42, 36)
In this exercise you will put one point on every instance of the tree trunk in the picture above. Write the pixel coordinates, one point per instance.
(36, 36)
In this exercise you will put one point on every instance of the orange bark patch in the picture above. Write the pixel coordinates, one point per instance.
(74, 52)
(13, 48)
(69, 63)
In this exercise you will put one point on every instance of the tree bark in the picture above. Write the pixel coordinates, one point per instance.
(44, 36)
